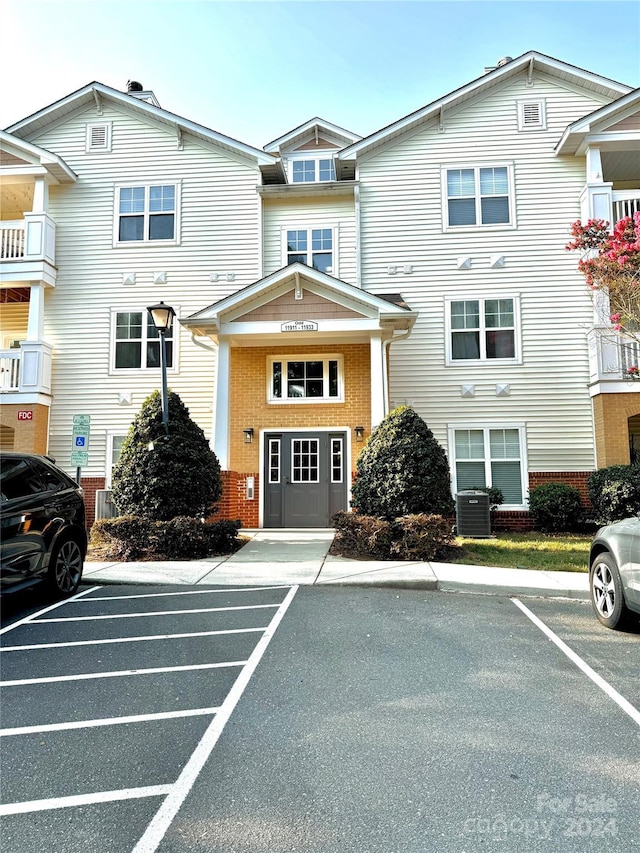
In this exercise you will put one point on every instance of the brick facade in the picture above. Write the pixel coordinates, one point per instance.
(18, 433)
(611, 414)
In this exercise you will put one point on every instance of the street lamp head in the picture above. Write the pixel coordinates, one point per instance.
(162, 316)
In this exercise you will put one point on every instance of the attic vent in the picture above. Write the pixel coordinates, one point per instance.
(99, 137)
(531, 115)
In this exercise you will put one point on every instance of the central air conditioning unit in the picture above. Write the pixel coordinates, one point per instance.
(105, 507)
(473, 514)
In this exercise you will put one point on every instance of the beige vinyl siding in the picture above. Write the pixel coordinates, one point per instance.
(402, 223)
(219, 226)
(316, 212)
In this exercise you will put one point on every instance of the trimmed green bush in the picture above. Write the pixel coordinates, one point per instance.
(160, 476)
(402, 470)
(183, 538)
(409, 537)
(614, 493)
(555, 507)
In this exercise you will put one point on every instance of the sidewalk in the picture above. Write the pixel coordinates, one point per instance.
(284, 557)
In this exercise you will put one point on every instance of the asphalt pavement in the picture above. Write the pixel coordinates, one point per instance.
(277, 557)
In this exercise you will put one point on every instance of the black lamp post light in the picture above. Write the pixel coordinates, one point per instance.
(162, 316)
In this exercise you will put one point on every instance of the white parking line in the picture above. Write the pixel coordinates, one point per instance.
(223, 591)
(108, 721)
(157, 613)
(84, 799)
(163, 818)
(626, 706)
(108, 640)
(32, 616)
(21, 682)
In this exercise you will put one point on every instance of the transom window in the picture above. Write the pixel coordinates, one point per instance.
(489, 457)
(311, 170)
(482, 329)
(311, 246)
(305, 380)
(478, 196)
(137, 342)
(146, 213)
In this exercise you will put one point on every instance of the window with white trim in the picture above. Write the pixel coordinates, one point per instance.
(484, 329)
(478, 196)
(114, 449)
(532, 115)
(311, 246)
(98, 137)
(135, 342)
(305, 170)
(489, 457)
(305, 379)
(147, 213)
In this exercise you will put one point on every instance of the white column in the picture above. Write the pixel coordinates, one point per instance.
(378, 381)
(40, 196)
(35, 324)
(221, 408)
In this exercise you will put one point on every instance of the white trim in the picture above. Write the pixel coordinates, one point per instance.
(146, 185)
(347, 430)
(325, 226)
(221, 406)
(502, 164)
(140, 371)
(325, 358)
(310, 157)
(486, 426)
(111, 435)
(466, 296)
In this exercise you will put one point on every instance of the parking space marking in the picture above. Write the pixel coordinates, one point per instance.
(156, 613)
(87, 676)
(108, 721)
(163, 818)
(34, 646)
(223, 591)
(626, 706)
(83, 800)
(32, 616)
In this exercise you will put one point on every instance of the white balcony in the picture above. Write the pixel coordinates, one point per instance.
(25, 371)
(27, 250)
(610, 357)
(625, 203)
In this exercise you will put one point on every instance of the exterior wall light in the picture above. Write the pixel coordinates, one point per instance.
(359, 431)
(248, 435)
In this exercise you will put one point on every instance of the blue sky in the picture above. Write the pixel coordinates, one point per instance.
(254, 70)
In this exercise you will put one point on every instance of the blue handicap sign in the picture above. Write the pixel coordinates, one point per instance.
(80, 440)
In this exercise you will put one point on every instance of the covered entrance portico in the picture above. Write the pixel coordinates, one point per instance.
(302, 362)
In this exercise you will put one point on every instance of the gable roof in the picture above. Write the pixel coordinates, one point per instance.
(598, 121)
(527, 63)
(320, 126)
(95, 93)
(33, 159)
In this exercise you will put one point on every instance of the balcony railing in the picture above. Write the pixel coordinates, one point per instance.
(10, 370)
(611, 355)
(26, 370)
(12, 240)
(625, 203)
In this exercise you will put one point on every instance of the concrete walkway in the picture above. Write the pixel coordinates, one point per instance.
(283, 557)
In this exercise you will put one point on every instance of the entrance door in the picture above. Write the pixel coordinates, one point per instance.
(305, 478)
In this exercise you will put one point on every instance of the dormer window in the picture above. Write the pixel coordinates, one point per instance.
(313, 169)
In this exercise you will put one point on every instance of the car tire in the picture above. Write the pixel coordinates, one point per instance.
(607, 596)
(65, 568)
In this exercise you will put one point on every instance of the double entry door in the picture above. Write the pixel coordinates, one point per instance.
(305, 478)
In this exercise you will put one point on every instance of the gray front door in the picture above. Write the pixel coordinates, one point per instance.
(305, 478)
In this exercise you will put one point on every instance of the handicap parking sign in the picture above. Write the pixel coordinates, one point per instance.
(81, 440)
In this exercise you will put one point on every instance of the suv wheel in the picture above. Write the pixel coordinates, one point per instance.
(65, 568)
(607, 596)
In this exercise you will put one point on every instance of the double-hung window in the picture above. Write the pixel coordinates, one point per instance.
(147, 213)
(489, 457)
(312, 169)
(482, 329)
(305, 379)
(311, 246)
(136, 341)
(479, 195)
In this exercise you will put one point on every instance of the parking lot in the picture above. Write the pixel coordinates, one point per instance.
(359, 721)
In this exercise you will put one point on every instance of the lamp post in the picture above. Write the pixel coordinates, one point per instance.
(162, 316)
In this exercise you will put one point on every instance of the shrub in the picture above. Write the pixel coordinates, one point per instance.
(409, 537)
(555, 507)
(178, 476)
(402, 470)
(182, 538)
(615, 492)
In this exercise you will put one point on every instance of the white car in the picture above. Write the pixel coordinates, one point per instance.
(614, 573)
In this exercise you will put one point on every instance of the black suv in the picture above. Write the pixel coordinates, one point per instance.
(42, 515)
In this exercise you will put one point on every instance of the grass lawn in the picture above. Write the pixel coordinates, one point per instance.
(567, 553)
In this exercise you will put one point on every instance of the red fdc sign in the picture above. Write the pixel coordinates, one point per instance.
(25, 416)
